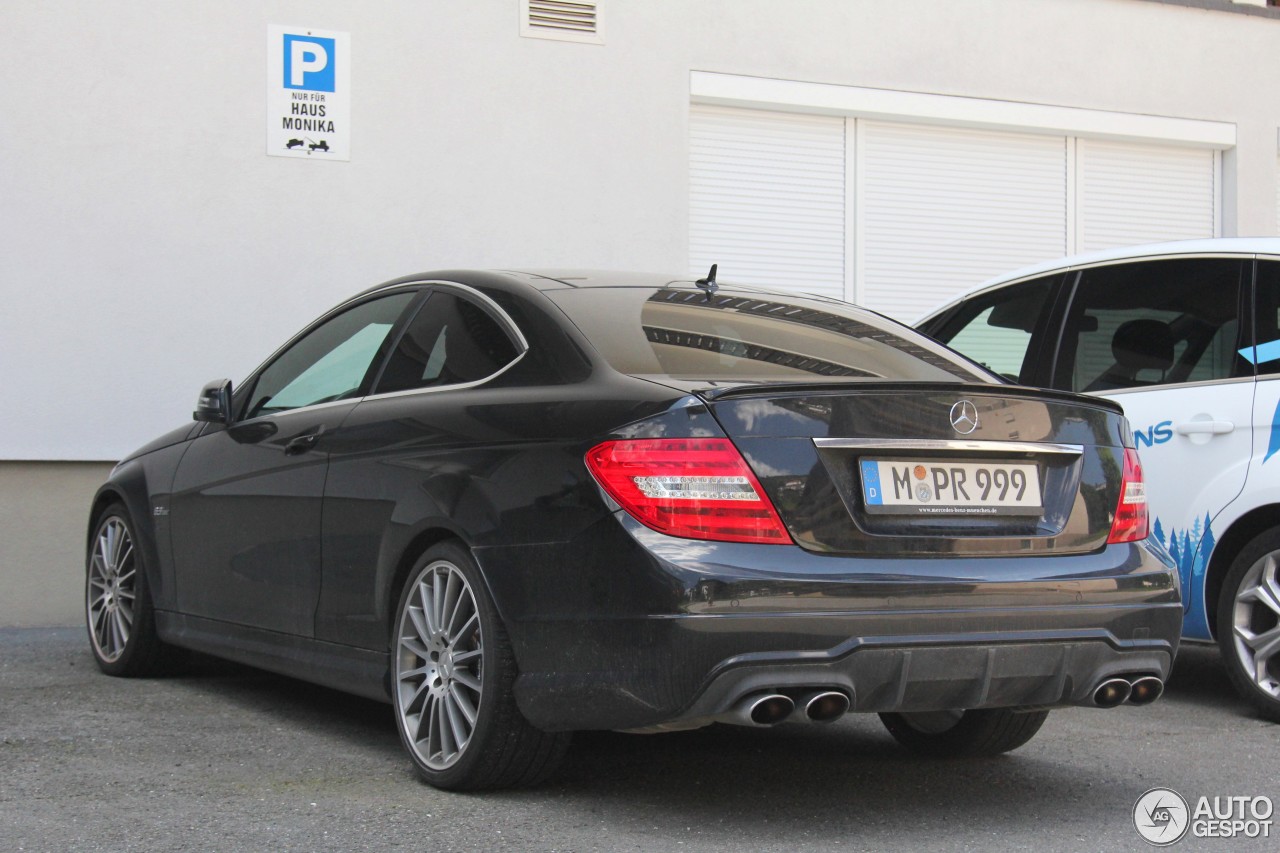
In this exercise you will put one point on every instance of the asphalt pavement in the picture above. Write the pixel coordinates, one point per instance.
(227, 758)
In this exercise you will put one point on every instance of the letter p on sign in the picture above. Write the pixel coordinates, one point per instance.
(309, 63)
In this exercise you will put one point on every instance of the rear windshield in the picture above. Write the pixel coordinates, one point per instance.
(733, 336)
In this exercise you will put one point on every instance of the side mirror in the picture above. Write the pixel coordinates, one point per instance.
(214, 403)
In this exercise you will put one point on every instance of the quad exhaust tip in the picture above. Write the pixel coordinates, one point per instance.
(1112, 692)
(770, 708)
(825, 707)
(766, 709)
(1145, 690)
(1141, 690)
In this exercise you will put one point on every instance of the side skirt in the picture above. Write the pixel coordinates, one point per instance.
(359, 671)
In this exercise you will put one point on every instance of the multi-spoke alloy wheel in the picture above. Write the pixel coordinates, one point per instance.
(112, 580)
(439, 665)
(452, 673)
(1249, 623)
(117, 600)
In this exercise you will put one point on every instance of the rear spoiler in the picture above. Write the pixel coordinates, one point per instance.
(796, 389)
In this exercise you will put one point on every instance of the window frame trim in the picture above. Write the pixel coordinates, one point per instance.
(425, 288)
(250, 383)
(487, 304)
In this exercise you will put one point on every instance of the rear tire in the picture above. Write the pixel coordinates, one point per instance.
(1249, 623)
(953, 734)
(118, 608)
(452, 676)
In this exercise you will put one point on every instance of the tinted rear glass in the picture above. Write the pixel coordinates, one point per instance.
(734, 336)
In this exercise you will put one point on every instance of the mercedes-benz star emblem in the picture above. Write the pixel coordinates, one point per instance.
(964, 417)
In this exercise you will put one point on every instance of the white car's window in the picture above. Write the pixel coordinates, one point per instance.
(995, 329)
(1135, 325)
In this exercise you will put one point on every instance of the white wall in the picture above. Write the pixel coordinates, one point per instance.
(148, 244)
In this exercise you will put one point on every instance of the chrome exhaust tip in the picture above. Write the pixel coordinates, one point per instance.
(1112, 692)
(769, 709)
(759, 709)
(1145, 690)
(825, 707)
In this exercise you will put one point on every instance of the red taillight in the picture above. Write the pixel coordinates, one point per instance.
(698, 488)
(1130, 524)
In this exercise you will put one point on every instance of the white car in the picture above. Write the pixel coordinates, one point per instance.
(1186, 336)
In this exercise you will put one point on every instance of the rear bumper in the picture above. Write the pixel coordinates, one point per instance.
(676, 632)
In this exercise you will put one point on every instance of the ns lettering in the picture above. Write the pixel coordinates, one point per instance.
(1157, 434)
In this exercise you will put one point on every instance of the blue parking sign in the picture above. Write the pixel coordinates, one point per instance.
(309, 63)
(308, 93)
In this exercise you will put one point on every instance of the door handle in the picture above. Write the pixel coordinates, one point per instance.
(1205, 428)
(302, 443)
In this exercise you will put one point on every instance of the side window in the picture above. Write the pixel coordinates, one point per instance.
(1267, 320)
(1143, 323)
(995, 328)
(330, 362)
(450, 341)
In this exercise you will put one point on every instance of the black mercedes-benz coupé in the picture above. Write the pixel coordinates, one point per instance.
(517, 504)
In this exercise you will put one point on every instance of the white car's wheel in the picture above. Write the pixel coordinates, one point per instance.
(1249, 623)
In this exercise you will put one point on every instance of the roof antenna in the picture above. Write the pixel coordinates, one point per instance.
(709, 283)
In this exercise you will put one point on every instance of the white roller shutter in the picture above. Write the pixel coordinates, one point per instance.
(942, 209)
(767, 193)
(1131, 193)
(901, 217)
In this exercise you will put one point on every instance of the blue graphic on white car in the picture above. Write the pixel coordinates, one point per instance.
(1274, 444)
(1190, 550)
(1157, 434)
(1262, 353)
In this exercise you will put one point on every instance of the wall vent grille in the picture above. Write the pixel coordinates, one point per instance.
(563, 20)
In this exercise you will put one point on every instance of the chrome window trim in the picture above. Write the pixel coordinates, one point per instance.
(311, 408)
(493, 307)
(502, 316)
(1161, 386)
(455, 387)
(341, 306)
(925, 444)
(1081, 267)
(1165, 256)
(405, 393)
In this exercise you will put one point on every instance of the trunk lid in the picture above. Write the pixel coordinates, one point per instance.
(930, 469)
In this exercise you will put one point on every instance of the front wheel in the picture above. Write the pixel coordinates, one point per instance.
(453, 671)
(949, 734)
(1249, 623)
(118, 608)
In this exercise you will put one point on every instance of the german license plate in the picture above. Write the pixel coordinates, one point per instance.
(945, 488)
